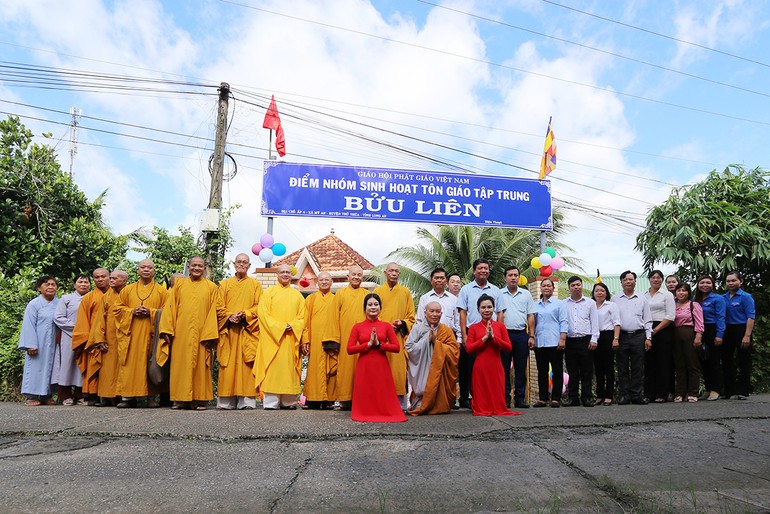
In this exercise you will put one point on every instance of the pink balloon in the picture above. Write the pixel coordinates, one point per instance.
(256, 248)
(557, 263)
(266, 240)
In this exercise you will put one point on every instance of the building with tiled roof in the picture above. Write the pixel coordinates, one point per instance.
(331, 254)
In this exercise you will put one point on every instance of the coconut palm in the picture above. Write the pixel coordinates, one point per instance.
(455, 247)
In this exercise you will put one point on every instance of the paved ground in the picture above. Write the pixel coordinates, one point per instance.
(704, 457)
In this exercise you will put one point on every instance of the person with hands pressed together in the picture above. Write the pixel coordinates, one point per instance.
(486, 339)
(38, 341)
(374, 393)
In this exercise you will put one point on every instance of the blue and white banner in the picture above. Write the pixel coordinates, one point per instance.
(350, 192)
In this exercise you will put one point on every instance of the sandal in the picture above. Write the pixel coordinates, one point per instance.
(598, 401)
(692, 399)
(32, 403)
(539, 403)
(607, 401)
(68, 402)
(678, 399)
(555, 404)
(288, 407)
(200, 407)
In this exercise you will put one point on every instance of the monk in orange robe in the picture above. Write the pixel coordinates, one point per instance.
(323, 353)
(89, 362)
(188, 326)
(433, 353)
(105, 340)
(348, 310)
(135, 312)
(398, 310)
(238, 338)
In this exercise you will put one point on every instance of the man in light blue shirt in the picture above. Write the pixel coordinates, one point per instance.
(469, 314)
(519, 318)
(635, 339)
(449, 315)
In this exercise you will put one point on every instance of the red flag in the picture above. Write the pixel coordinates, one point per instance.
(273, 122)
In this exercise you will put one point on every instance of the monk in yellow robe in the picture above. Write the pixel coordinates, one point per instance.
(238, 338)
(89, 361)
(281, 323)
(323, 353)
(433, 353)
(188, 326)
(135, 313)
(105, 340)
(348, 310)
(397, 309)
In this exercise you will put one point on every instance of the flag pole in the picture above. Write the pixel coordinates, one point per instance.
(270, 218)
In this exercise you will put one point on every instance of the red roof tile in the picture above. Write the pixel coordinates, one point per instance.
(329, 253)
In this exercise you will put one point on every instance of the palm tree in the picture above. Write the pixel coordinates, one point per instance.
(454, 248)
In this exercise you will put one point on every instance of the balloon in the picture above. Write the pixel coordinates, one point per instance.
(267, 241)
(294, 271)
(522, 281)
(304, 282)
(545, 259)
(278, 249)
(551, 252)
(566, 382)
(535, 262)
(557, 263)
(256, 248)
(546, 271)
(266, 255)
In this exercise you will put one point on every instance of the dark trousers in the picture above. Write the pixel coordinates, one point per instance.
(464, 372)
(686, 362)
(658, 363)
(630, 359)
(712, 365)
(519, 356)
(555, 357)
(732, 344)
(604, 364)
(580, 366)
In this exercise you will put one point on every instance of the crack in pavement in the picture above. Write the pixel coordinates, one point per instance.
(730, 432)
(297, 472)
(49, 445)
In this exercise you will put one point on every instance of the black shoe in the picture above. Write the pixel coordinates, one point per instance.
(588, 403)
(521, 405)
(571, 403)
(640, 401)
(455, 406)
(127, 404)
(539, 404)
(465, 404)
(623, 400)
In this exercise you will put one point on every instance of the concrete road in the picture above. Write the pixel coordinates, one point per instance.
(704, 457)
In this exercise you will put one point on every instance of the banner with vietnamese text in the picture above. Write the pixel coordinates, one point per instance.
(351, 192)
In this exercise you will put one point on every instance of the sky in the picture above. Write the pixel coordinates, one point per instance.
(645, 96)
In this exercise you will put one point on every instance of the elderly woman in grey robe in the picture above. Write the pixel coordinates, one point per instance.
(66, 372)
(38, 341)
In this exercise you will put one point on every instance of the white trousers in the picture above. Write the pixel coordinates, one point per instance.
(276, 401)
(236, 402)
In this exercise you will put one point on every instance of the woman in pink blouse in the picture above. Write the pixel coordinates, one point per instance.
(689, 331)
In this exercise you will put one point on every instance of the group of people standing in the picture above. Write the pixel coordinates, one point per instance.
(374, 354)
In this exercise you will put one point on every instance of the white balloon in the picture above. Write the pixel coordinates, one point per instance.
(545, 259)
(266, 255)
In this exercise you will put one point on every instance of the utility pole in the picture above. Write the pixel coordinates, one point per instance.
(76, 113)
(211, 218)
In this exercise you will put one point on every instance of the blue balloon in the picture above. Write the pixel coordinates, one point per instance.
(279, 249)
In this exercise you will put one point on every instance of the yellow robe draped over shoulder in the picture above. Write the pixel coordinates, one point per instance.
(135, 336)
(397, 303)
(349, 310)
(105, 331)
(321, 378)
(88, 361)
(237, 348)
(278, 365)
(190, 318)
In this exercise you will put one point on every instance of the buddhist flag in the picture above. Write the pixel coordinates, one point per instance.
(273, 122)
(598, 276)
(548, 162)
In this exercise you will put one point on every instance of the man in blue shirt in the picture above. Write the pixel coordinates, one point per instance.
(519, 319)
(739, 320)
(635, 339)
(469, 314)
(582, 337)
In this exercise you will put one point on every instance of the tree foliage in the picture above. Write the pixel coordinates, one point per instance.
(45, 220)
(719, 225)
(455, 247)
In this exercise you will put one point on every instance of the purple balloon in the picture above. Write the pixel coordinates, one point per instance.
(266, 240)
(256, 248)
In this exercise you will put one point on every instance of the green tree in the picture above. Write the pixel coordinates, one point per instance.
(718, 225)
(45, 220)
(455, 247)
